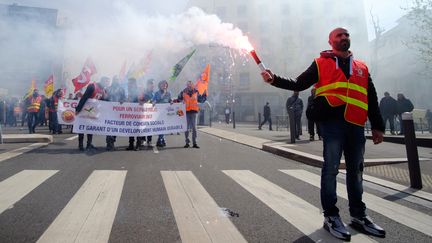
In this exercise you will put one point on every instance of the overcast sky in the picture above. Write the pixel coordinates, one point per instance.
(388, 12)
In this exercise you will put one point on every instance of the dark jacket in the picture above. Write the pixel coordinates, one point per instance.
(267, 111)
(388, 106)
(404, 105)
(296, 104)
(310, 77)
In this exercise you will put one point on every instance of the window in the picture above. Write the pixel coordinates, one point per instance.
(244, 80)
(242, 10)
(221, 12)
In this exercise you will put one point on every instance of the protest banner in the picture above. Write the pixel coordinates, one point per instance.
(129, 119)
(66, 111)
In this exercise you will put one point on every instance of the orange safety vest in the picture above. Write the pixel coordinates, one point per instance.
(191, 101)
(338, 90)
(35, 104)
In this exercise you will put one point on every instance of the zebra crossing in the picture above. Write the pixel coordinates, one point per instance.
(89, 215)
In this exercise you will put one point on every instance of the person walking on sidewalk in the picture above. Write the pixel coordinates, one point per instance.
(191, 98)
(267, 117)
(403, 105)
(346, 98)
(312, 123)
(388, 107)
(227, 114)
(294, 106)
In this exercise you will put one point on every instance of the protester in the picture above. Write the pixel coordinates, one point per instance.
(191, 98)
(403, 105)
(133, 97)
(43, 112)
(52, 104)
(148, 96)
(267, 117)
(115, 93)
(346, 98)
(160, 97)
(294, 106)
(34, 104)
(312, 123)
(388, 107)
(93, 91)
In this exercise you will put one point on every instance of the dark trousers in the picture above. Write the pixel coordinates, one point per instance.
(227, 116)
(267, 119)
(297, 124)
(340, 137)
(311, 128)
(54, 126)
(32, 120)
(81, 140)
(390, 118)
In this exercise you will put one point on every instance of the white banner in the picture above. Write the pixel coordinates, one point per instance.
(66, 111)
(129, 119)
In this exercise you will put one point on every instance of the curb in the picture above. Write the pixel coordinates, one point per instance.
(27, 138)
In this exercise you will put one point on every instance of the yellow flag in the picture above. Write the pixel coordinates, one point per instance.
(32, 88)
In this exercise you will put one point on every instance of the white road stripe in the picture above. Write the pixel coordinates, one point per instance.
(11, 154)
(304, 216)
(401, 214)
(17, 186)
(72, 138)
(89, 215)
(198, 217)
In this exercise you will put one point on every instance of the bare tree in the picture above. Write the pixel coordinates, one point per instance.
(421, 14)
(378, 32)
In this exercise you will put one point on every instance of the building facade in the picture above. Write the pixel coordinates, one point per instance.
(287, 35)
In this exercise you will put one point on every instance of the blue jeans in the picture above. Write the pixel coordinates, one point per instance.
(340, 136)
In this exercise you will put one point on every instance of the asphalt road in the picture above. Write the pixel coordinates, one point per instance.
(144, 212)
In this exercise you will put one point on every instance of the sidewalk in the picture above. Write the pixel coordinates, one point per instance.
(21, 135)
(385, 161)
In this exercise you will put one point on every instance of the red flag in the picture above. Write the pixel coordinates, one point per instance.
(202, 83)
(84, 78)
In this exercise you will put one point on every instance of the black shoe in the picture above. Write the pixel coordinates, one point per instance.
(130, 147)
(312, 138)
(271, 129)
(336, 227)
(259, 128)
(366, 225)
(186, 146)
(81, 148)
(195, 146)
(110, 147)
(160, 145)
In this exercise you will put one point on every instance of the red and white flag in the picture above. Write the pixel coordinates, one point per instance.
(84, 78)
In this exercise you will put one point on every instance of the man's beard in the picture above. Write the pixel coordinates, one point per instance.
(344, 45)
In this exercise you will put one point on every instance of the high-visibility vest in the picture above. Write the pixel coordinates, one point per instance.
(191, 101)
(98, 92)
(339, 90)
(35, 104)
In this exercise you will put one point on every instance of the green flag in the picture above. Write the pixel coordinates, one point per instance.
(180, 65)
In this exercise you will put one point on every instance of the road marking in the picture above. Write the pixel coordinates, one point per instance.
(72, 138)
(16, 152)
(155, 150)
(398, 187)
(89, 215)
(197, 215)
(401, 214)
(17, 186)
(302, 215)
